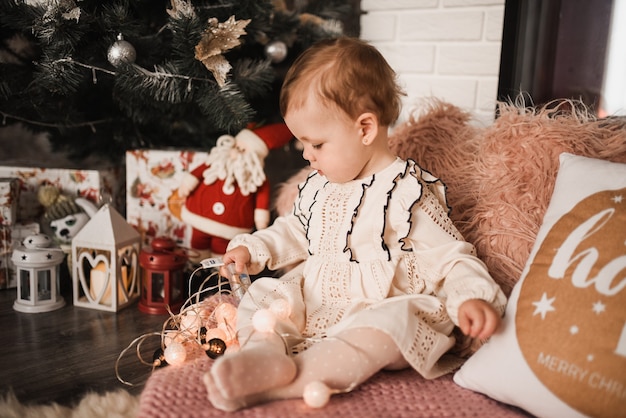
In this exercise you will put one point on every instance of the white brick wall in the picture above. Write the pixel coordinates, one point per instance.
(448, 49)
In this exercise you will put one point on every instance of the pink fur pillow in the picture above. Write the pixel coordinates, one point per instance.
(287, 192)
(500, 178)
(440, 138)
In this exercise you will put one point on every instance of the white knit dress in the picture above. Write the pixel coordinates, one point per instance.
(376, 252)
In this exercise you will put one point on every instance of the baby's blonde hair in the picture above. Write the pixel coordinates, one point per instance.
(346, 72)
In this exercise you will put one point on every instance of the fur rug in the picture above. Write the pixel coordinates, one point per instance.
(117, 404)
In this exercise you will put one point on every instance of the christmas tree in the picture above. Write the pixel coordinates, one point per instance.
(103, 77)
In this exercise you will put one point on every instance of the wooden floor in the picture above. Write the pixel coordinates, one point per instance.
(60, 355)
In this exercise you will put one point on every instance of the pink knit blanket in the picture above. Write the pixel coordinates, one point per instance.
(175, 392)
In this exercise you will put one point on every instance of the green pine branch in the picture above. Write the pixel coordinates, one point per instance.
(55, 75)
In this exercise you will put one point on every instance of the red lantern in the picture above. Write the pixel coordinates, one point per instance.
(162, 267)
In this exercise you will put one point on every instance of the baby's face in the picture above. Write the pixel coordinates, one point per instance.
(330, 138)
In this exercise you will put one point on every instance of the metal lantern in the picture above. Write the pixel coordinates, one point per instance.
(37, 262)
(162, 266)
(105, 256)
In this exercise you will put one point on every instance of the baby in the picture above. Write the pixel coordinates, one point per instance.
(377, 275)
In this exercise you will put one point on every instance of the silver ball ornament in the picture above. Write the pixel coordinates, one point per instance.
(121, 52)
(276, 51)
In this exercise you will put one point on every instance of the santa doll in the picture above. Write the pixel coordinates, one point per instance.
(229, 194)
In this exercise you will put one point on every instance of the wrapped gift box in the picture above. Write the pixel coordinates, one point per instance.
(152, 178)
(9, 196)
(10, 237)
(95, 185)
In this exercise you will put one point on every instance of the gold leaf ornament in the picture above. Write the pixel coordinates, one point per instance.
(67, 9)
(72, 14)
(217, 39)
(181, 9)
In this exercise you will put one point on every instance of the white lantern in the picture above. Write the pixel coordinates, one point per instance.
(37, 262)
(105, 255)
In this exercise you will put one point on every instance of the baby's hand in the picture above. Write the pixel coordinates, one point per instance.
(478, 318)
(238, 255)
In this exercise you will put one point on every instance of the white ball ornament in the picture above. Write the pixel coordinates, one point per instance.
(190, 322)
(316, 394)
(175, 354)
(264, 320)
(226, 313)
